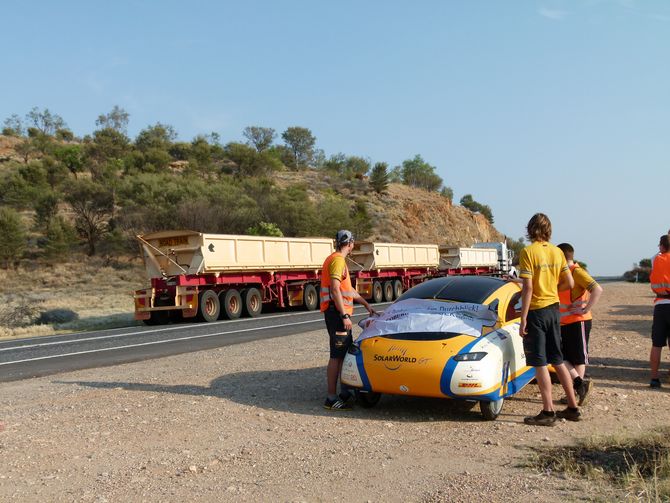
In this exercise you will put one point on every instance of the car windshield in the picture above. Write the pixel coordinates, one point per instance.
(474, 289)
(422, 336)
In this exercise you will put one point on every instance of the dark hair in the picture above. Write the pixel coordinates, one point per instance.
(567, 250)
(539, 228)
(665, 242)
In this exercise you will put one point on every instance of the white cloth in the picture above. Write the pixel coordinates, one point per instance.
(421, 315)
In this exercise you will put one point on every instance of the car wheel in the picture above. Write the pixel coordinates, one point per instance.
(367, 398)
(491, 410)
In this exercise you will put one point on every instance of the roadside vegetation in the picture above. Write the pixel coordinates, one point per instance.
(641, 465)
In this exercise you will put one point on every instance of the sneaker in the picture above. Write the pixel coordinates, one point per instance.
(542, 419)
(337, 404)
(347, 397)
(655, 383)
(569, 414)
(582, 391)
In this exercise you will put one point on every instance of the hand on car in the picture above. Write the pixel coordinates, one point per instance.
(347, 323)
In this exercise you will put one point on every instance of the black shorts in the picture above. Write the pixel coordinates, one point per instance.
(542, 343)
(334, 323)
(660, 329)
(575, 342)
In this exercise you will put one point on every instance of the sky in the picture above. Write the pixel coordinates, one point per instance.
(560, 107)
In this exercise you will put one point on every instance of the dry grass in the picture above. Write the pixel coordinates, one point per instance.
(641, 465)
(100, 294)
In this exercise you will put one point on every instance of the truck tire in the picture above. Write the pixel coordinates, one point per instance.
(310, 297)
(252, 302)
(377, 292)
(397, 288)
(388, 290)
(209, 306)
(231, 304)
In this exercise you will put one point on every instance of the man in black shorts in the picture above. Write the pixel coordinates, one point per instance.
(660, 330)
(337, 296)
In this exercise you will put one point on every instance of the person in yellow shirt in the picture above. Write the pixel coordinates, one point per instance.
(337, 296)
(576, 319)
(544, 271)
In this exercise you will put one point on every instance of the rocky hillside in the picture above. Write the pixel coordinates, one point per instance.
(405, 214)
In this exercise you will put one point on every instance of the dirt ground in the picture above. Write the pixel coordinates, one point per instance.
(246, 423)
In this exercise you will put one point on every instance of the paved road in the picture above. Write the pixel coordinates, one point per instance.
(40, 356)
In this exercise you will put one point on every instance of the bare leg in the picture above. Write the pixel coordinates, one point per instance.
(544, 383)
(580, 369)
(655, 361)
(566, 382)
(572, 370)
(333, 373)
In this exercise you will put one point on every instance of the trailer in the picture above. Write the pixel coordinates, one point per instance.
(467, 261)
(383, 271)
(219, 276)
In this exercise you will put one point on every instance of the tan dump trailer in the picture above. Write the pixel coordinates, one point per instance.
(454, 257)
(213, 276)
(382, 271)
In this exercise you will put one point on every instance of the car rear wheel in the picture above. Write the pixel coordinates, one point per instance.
(491, 410)
(367, 398)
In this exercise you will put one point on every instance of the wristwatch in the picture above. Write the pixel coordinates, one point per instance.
(345, 316)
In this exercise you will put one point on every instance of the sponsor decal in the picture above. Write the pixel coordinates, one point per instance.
(469, 385)
(395, 357)
(404, 388)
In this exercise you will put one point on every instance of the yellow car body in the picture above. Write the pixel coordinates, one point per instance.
(487, 367)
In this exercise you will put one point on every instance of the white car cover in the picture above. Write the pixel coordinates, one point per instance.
(424, 315)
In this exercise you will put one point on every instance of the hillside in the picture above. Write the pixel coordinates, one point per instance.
(406, 214)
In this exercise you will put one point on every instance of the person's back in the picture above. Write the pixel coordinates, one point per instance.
(543, 263)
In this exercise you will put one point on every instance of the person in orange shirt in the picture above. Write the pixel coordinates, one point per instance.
(544, 271)
(660, 330)
(576, 320)
(337, 296)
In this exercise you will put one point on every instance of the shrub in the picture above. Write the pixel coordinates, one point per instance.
(56, 316)
(13, 233)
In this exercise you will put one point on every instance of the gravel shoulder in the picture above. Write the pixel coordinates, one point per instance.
(245, 423)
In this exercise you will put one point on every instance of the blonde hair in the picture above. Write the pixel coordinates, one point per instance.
(539, 227)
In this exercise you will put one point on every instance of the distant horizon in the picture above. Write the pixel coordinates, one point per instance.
(552, 106)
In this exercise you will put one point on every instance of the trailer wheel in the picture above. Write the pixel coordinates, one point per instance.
(310, 297)
(231, 301)
(252, 302)
(397, 288)
(377, 292)
(388, 291)
(209, 306)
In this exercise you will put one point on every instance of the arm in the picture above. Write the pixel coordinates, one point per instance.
(593, 299)
(336, 295)
(565, 281)
(526, 296)
(361, 300)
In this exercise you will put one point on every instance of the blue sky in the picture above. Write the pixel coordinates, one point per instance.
(554, 106)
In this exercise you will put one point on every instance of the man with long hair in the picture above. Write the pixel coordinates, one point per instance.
(544, 271)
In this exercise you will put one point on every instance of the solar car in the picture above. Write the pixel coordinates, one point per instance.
(455, 337)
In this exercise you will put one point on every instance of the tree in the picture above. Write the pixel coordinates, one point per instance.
(265, 229)
(516, 246)
(379, 178)
(13, 126)
(92, 205)
(71, 156)
(46, 209)
(301, 143)
(13, 233)
(107, 144)
(259, 137)
(447, 192)
(60, 238)
(159, 136)
(44, 121)
(418, 173)
(117, 120)
(469, 203)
